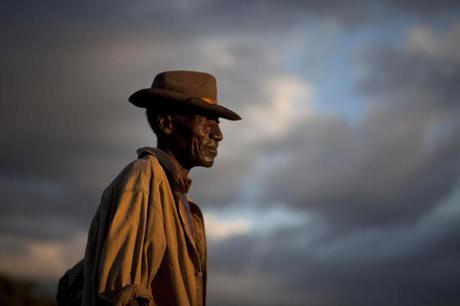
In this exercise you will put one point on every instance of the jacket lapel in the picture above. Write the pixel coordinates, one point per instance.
(185, 221)
(170, 170)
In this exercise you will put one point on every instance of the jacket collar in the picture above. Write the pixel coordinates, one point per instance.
(180, 184)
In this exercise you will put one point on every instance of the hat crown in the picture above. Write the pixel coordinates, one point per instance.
(189, 83)
(183, 89)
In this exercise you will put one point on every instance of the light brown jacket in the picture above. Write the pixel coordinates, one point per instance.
(140, 244)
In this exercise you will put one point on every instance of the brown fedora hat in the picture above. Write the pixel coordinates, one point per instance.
(181, 89)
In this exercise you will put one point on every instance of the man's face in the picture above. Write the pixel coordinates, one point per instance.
(198, 139)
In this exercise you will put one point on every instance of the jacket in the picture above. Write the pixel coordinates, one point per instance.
(140, 243)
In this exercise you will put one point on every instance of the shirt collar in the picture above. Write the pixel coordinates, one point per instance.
(182, 185)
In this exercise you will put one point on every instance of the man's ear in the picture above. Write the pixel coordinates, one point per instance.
(164, 123)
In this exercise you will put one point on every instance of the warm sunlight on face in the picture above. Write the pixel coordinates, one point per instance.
(199, 135)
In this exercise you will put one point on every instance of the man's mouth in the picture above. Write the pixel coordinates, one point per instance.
(212, 150)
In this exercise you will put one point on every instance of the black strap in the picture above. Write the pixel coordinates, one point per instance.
(171, 172)
(164, 160)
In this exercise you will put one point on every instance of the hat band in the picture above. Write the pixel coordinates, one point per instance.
(209, 100)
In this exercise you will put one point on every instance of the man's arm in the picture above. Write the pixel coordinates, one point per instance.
(133, 248)
(126, 242)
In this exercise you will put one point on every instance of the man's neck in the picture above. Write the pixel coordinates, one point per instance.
(182, 172)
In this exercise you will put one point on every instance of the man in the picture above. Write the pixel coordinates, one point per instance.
(147, 244)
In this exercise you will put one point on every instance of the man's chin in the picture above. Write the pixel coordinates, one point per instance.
(207, 163)
(205, 159)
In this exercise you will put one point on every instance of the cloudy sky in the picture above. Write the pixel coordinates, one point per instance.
(340, 186)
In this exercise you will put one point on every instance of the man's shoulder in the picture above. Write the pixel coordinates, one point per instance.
(142, 176)
(139, 174)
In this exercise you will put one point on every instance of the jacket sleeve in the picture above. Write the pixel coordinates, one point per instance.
(133, 247)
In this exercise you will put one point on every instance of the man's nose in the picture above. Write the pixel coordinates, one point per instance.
(217, 134)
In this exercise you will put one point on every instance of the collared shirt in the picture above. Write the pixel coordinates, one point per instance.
(141, 242)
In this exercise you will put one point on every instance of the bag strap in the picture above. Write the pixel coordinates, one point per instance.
(165, 162)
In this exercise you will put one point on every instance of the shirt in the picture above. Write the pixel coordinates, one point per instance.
(141, 244)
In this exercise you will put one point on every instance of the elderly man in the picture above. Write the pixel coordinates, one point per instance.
(146, 244)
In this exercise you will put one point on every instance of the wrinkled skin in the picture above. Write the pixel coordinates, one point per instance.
(193, 139)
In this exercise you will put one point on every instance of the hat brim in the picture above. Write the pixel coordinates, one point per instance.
(161, 98)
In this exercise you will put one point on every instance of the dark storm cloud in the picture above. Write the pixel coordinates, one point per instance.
(385, 172)
(392, 179)
(44, 208)
(432, 80)
(427, 8)
(182, 18)
(414, 264)
(395, 165)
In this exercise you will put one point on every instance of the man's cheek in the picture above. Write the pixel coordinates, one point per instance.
(195, 148)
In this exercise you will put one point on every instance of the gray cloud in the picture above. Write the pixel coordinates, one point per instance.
(426, 8)
(413, 263)
(389, 168)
